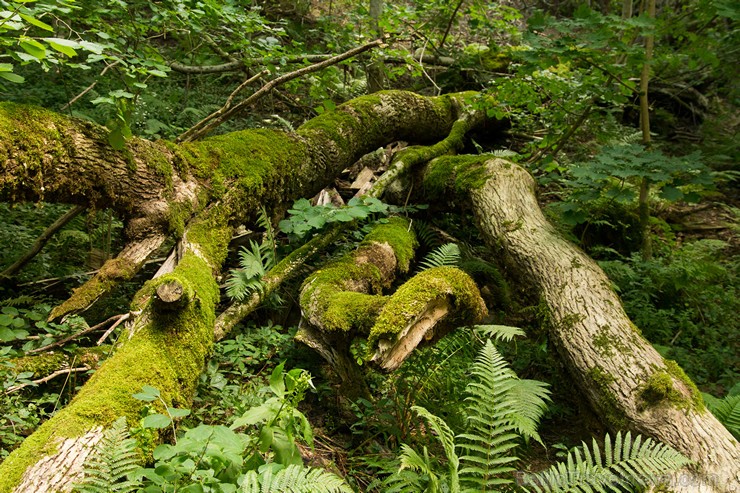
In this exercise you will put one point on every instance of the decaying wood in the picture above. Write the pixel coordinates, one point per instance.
(146, 186)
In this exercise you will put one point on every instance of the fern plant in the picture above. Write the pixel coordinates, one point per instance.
(727, 410)
(447, 254)
(294, 479)
(253, 265)
(501, 409)
(627, 464)
(254, 262)
(111, 463)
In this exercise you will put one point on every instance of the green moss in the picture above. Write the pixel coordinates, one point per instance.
(405, 305)
(656, 386)
(111, 273)
(41, 365)
(349, 310)
(659, 388)
(155, 157)
(399, 235)
(608, 404)
(32, 137)
(459, 173)
(605, 343)
(165, 352)
(344, 275)
(211, 232)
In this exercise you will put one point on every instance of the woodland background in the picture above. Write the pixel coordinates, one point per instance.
(566, 78)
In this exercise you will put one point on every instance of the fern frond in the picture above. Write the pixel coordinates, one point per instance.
(529, 402)
(447, 438)
(447, 254)
(504, 153)
(503, 333)
(254, 263)
(727, 411)
(628, 464)
(112, 459)
(269, 243)
(494, 399)
(428, 237)
(294, 479)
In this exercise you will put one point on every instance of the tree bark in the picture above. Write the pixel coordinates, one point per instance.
(626, 381)
(196, 192)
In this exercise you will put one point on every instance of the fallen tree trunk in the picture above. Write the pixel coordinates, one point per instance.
(196, 192)
(623, 377)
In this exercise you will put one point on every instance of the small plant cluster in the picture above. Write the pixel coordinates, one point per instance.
(501, 411)
(257, 453)
(685, 303)
(615, 173)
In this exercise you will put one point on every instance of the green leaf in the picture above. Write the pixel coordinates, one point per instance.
(671, 193)
(35, 22)
(6, 335)
(64, 46)
(178, 413)
(156, 421)
(33, 48)
(277, 383)
(257, 414)
(117, 140)
(12, 77)
(147, 394)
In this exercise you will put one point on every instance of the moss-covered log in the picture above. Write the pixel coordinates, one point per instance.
(425, 308)
(627, 382)
(196, 192)
(342, 300)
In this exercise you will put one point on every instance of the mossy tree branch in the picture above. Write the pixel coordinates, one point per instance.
(626, 381)
(196, 192)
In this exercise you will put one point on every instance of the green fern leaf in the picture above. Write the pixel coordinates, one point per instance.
(253, 265)
(444, 255)
(112, 460)
(496, 400)
(294, 479)
(428, 236)
(727, 411)
(446, 437)
(499, 332)
(627, 464)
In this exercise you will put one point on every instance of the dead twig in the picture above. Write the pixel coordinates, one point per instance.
(117, 318)
(41, 241)
(214, 120)
(66, 371)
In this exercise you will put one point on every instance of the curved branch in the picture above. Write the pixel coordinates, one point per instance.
(122, 268)
(209, 123)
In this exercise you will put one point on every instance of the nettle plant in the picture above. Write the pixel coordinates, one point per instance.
(616, 172)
